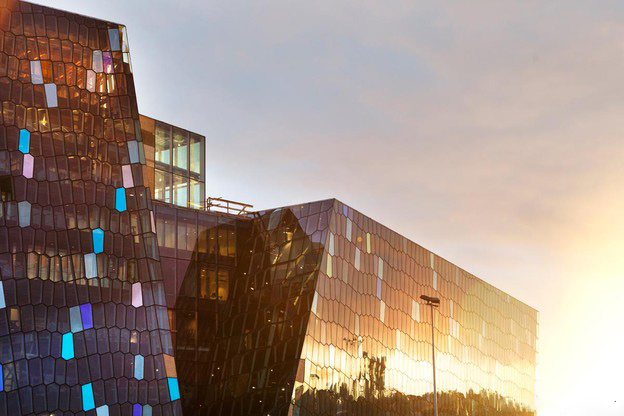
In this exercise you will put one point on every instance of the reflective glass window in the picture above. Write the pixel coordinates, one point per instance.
(165, 228)
(162, 191)
(180, 149)
(223, 285)
(197, 194)
(162, 146)
(196, 152)
(187, 233)
(180, 190)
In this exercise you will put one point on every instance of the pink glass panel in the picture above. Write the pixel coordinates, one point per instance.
(29, 163)
(91, 80)
(137, 295)
(126, 170)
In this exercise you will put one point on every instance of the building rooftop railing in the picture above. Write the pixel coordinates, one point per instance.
(227, 206)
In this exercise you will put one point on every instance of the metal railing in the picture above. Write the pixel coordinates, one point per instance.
(227, 206)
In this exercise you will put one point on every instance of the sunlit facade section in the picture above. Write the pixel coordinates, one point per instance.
(368, 343)
(315, 309)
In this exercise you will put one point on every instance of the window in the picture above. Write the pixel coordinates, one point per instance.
(197, 194)
(187, 232)
(227, 240)
(178, 163)
(163, 186)
(206, 232)
(204, 281)
(223, 286)
(165, 230)
(162, 144)
(196, 151)
(214, 284)
(180, 149)
(180, 190)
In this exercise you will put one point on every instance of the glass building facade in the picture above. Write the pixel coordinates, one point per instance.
(84, 327)
(121, 293)
(175, 164)
(322, 316)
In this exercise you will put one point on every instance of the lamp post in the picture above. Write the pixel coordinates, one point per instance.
(434, 303)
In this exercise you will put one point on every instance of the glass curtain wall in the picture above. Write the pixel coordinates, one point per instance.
(199, 259)
(178, 165)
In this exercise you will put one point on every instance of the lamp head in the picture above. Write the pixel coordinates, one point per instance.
(431, 300)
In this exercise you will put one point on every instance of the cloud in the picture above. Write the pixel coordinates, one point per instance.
(490, 132)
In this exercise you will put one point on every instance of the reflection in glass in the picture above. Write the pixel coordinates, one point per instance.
(223, 284)
(180, 190)
(196, 154)
(279, 337)
(180, 149)
(162, 151)
(197, 194)
(162, 191)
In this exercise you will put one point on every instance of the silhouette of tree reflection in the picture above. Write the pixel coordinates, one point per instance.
(339, 401)
(376, 400)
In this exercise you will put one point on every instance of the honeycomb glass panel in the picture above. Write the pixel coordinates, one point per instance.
(76, 213)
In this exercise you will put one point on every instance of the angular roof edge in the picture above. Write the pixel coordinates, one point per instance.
(411, 241)
(69, 12)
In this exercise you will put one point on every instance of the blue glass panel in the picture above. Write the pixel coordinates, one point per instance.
(51, 97)
(113, 36)
(24, 141)
(1, 378)
(67, 350)
(88, 401)
(138, 367)
(87, 316)
(90, 265)
(102, 411)
(75, 319)
(174, 390)
(147, 410)
(36, 74)
(98, 240)
(120, 199)
(137, 410)
(2, 301)
(24, 213)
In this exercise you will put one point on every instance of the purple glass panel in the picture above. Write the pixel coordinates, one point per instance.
(107, 57)
(87, 316)
(137, 410)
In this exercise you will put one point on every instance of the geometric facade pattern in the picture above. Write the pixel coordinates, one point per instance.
(112, 303)
(321, 315)
(83, 321)
(367, 348)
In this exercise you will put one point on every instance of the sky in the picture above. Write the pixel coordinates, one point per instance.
(490, 132)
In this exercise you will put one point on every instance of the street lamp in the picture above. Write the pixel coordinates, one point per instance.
(434, 303)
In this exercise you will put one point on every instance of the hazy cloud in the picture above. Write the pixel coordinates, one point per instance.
(490, 132)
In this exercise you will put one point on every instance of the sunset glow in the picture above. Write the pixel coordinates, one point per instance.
(490, 133)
